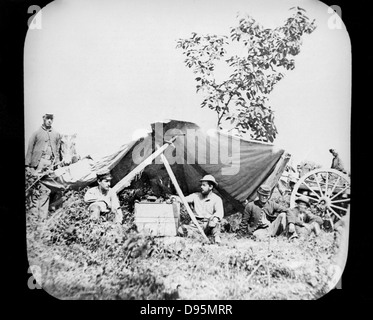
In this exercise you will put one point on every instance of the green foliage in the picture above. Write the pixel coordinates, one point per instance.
(105, 255)
(32, 187)
(242, 99)
(84, 259)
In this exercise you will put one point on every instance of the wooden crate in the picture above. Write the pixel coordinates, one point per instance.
(160, 219)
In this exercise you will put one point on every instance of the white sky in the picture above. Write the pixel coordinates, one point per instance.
(107, 68)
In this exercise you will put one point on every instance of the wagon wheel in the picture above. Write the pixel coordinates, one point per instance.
(326, 188)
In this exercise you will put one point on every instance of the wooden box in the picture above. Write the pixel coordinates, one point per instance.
(159, 219)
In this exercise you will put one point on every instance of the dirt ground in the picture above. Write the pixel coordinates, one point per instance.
(74, 258)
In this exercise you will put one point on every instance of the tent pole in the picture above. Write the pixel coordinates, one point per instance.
(181, 195)
(123, 182)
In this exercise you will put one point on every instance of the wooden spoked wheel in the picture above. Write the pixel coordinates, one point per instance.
(327, 189)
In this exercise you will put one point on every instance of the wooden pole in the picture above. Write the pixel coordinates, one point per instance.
(181, 195)
(37, 180)
(128, 178)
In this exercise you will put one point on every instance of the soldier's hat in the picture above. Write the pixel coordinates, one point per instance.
(104, 174)
(264, 189)
(303, 199)
(209, 178)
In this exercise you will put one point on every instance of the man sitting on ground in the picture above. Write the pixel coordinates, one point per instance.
(263, 217)
(208, 209)
(301, 221)
(102, 199)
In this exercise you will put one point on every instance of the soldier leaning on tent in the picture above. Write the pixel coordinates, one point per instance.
(208, 209)
(102, 199)
(263, 217)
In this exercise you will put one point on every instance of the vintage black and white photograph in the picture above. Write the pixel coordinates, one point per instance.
(187, 150)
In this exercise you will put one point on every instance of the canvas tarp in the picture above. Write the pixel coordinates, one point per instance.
(240, 166)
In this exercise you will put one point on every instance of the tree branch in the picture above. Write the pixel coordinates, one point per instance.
(254, 73)
(226, 106)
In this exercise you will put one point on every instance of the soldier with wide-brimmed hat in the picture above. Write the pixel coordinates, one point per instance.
(207, 207)
(301, 221)
(263, 217)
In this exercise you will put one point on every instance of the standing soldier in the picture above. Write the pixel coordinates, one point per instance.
(42, 154)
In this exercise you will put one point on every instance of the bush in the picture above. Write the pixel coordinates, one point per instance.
(72, 244)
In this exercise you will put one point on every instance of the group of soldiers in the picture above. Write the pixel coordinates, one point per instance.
(261, 217)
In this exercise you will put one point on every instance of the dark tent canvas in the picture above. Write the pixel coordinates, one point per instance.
(239, 165)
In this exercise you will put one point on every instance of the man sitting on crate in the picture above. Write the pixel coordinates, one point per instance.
(263, 217)
(102, 199)
(208, 209)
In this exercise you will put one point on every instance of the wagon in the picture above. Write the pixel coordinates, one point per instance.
(328, 191)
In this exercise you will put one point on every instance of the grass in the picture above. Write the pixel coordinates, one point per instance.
(82, 259)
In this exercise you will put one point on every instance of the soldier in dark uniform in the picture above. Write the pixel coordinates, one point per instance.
(263, 217)
(301, 221)
(42, 154)
(336, 162)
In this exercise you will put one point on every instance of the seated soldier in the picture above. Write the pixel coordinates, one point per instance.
(263, 217)
(321, 211)
(336, 162)
(208, 209)
(102, 199)
(301, 221)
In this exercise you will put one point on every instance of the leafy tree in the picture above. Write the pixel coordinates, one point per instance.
(242, 98)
